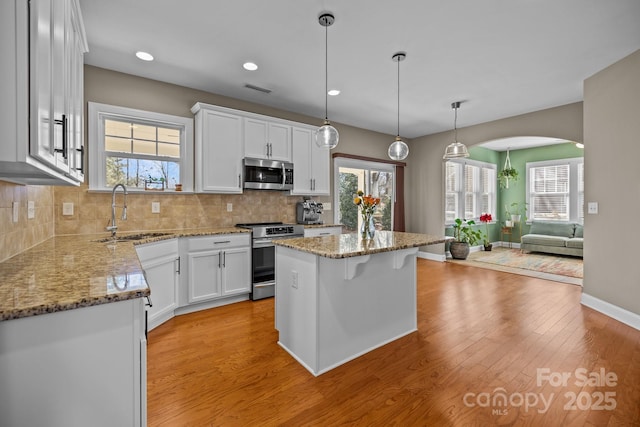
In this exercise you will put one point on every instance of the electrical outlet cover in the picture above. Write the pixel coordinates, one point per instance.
(31, 209)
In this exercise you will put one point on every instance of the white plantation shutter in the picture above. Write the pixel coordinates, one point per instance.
(470, 189)
(556, 190)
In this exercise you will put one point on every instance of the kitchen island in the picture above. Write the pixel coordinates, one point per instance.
(338, 297)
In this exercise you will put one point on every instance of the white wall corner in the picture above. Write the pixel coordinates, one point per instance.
(625, 316)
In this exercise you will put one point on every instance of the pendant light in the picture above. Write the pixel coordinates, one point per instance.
(455, 149)
(398, 150)
(327, 136)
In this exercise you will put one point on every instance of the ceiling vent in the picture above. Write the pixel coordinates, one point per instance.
(258, 88)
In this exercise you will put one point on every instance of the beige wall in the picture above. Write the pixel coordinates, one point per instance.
(425, 176)
(93, 212)
(612, 178)
(15, 237)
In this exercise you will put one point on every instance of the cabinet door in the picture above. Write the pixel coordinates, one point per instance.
(218, 152)
(267, 140)
(204, 275)
(75, 90)
(302, 181)
(320, 169)
(255, 138)
(236, 271)
(279, 142)
(162, 277)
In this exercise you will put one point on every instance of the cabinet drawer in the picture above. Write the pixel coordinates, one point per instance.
(322, 231)
(149, 251)
(218, 242)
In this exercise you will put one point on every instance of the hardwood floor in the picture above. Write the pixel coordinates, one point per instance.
(483, 336)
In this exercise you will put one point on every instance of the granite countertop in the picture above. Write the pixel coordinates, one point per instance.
(351, 245)
(68, 272)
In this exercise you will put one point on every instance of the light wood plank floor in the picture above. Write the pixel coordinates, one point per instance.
(482, 335)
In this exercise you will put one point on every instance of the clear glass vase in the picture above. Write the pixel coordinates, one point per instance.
(367, 228)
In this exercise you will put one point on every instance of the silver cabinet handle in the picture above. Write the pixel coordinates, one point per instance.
(310, 184)
(224, 259)
(178, 260)
(221, 242)
(239, 181)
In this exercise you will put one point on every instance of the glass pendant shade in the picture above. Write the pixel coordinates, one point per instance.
(398, 150)
(327, 136)
(455, 150)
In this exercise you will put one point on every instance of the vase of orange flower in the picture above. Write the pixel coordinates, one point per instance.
(367, 206)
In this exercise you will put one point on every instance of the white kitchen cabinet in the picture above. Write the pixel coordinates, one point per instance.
(42, 91)
(310, 164)
(161, 264)
(218, 149)
(323, 231)
(264, 139)
(218, 266)
(80, 367)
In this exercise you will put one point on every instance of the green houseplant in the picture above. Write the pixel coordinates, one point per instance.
(507, 174)
(464, 236)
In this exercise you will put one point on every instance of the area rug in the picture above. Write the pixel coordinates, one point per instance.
(553, 267)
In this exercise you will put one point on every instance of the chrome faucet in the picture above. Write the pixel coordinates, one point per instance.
(113, 227)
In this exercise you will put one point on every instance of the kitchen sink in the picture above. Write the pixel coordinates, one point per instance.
(132, 237)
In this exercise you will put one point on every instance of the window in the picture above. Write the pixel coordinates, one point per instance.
(377, 179)
(555, 190)
(470, 189)
(140, 149)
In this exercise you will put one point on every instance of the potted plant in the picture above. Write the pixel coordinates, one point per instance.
(518, 211)
(506, 174)
(486, 218)
(464, 236)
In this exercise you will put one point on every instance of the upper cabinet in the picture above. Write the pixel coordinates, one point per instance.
(43, 106)
(218, 150)
(311, 164)
(267, 140)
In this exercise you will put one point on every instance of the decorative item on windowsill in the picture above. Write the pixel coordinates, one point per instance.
(367, 206)
(486, 218)
(507, 173)
(464, 236)
(154, 184)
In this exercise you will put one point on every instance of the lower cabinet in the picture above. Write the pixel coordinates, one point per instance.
(161, 264)
(80, 367)
(323, 231)
(218, 266)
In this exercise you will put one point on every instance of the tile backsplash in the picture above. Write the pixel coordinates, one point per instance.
(92, 210)
(18, 236)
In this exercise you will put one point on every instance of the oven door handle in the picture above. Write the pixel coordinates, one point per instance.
(262, 243)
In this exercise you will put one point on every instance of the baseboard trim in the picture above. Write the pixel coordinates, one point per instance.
(432, 256)
(625, 316)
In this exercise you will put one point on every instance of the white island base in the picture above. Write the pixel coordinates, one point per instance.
(332, 310)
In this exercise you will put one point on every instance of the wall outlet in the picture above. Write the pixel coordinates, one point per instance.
(326, 206)
(31, 209)
(592, 208)
(16, 211)
(229, 207)
(67, 209)
(294, 279)
(155, 207)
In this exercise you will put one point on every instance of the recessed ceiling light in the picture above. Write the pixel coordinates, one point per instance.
(145, 56)
(334, 92)
(250, 66)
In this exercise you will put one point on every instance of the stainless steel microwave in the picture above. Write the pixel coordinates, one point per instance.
(263, 174)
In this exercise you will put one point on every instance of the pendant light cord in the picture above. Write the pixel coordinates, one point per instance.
(455, 125)
(326, 71)
(398, 97)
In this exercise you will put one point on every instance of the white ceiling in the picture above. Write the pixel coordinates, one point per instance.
(502, 58)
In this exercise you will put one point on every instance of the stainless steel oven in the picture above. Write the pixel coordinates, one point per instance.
(263, 268)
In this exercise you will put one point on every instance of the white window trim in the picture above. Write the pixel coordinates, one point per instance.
(97, 173)
(461, 203)
(573, 184)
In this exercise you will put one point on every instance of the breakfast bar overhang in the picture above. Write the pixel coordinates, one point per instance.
(338, 297)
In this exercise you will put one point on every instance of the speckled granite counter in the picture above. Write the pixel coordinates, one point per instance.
(350, 245)
(68, 272)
